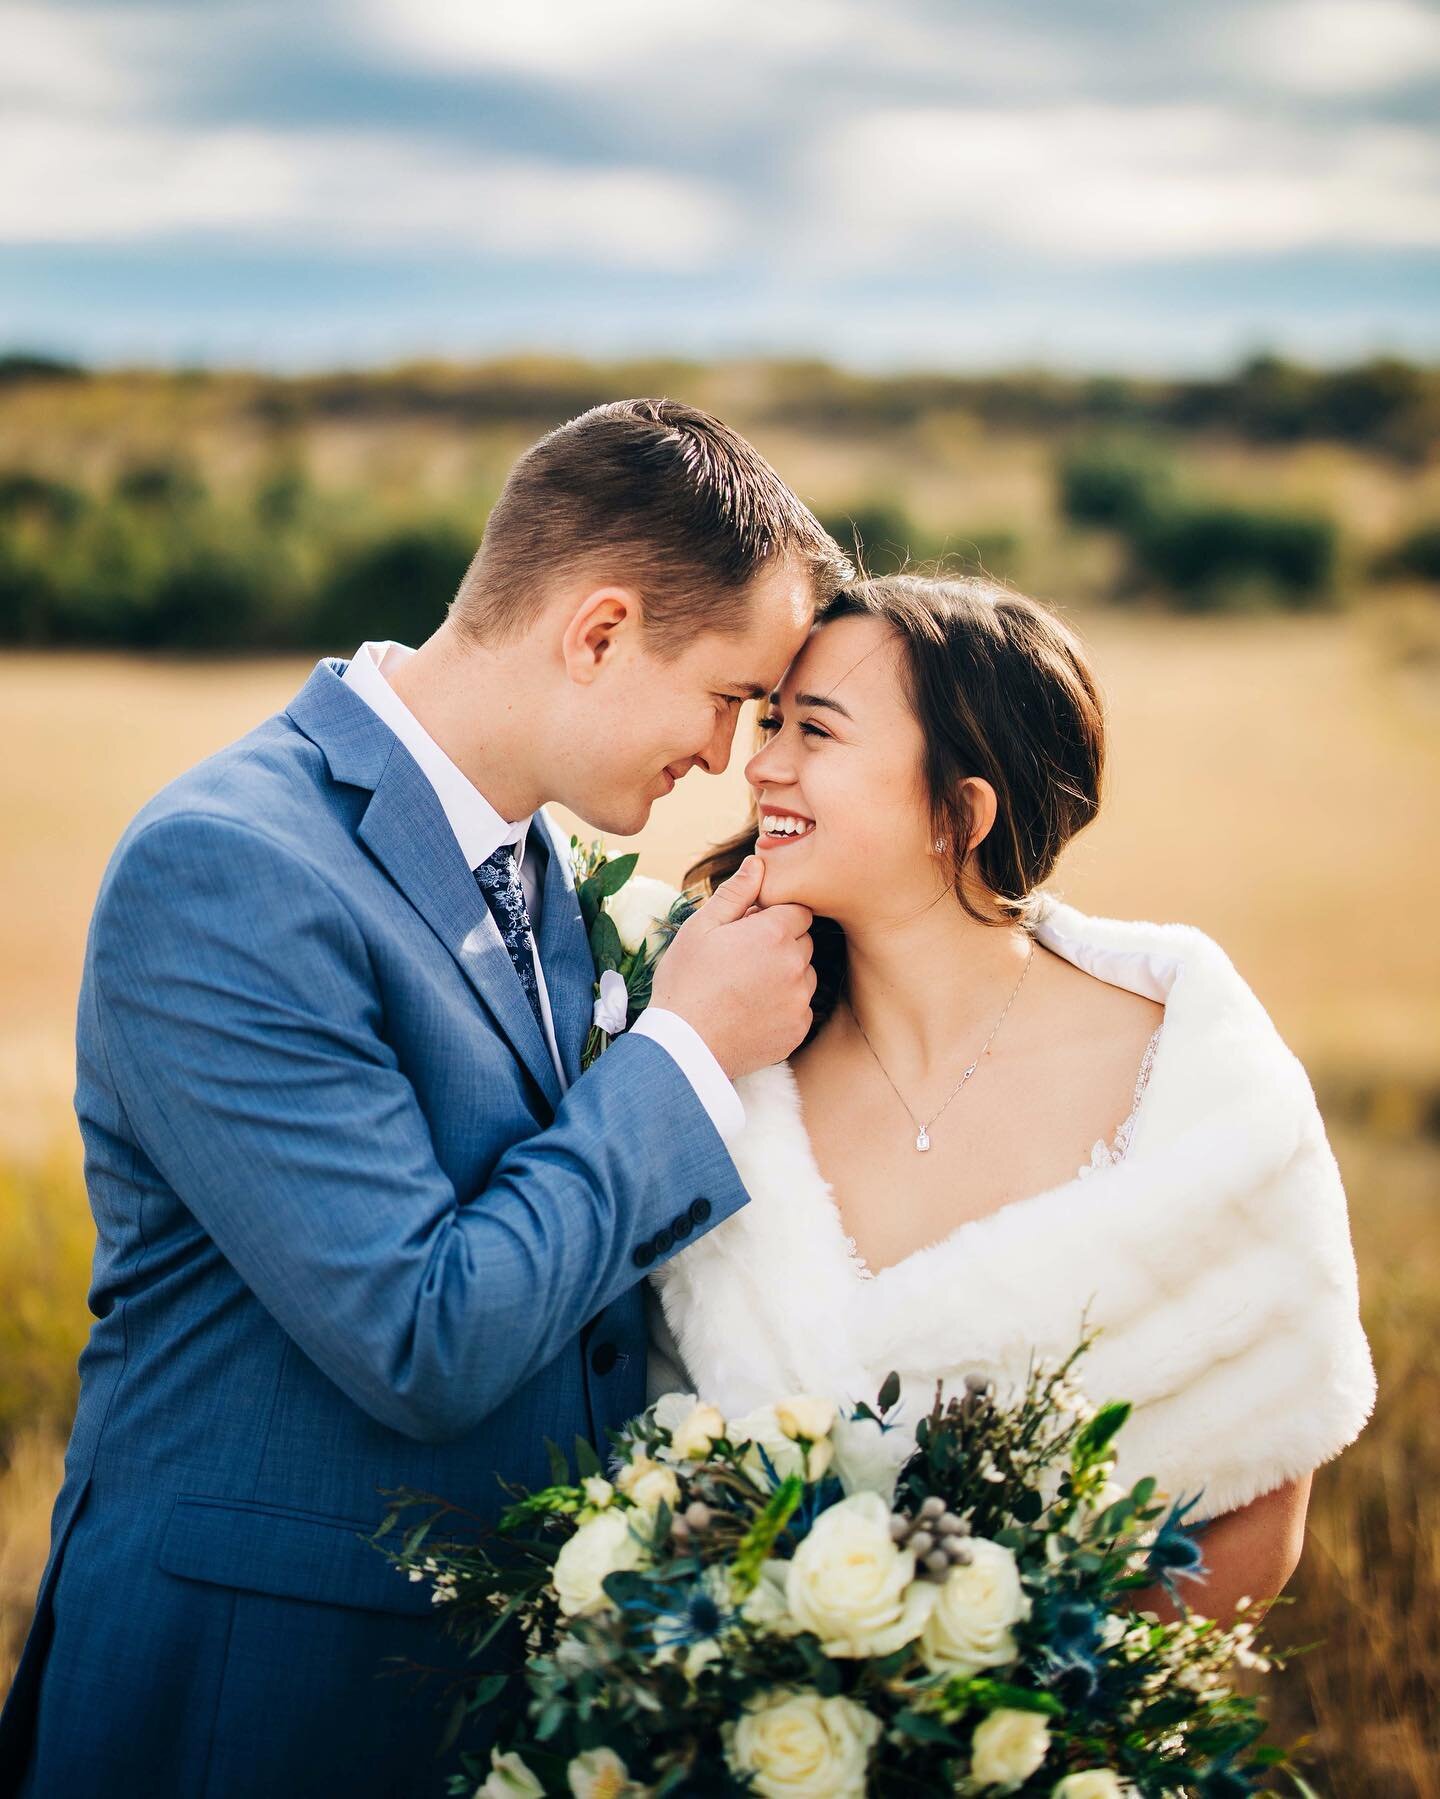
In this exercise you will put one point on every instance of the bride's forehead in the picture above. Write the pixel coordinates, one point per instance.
(850, 652)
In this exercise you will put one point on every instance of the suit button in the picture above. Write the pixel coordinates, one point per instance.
(663, 1241)
(644, 1255)
(604, 1358)
(700, 1211)
(681, 1226)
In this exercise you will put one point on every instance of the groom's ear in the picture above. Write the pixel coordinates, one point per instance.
(606, 623)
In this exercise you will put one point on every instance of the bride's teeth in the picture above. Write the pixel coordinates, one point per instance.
(785, 827)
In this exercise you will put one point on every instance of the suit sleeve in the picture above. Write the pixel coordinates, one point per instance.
(243, 1029)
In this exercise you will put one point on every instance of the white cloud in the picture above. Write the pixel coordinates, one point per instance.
(109, 182)
(1334, 47)
(63, 58)
(1115, 183)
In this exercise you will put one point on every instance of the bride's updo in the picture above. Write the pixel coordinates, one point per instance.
(1001, 688)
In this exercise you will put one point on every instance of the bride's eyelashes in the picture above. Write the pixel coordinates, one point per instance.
(772, 723)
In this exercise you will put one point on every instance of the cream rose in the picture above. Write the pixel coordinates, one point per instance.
(633, 1477)
(1092, 1783)
(656, 1487)
(975, 1609)
(509, 1778)
(796, 1745)
(1007, 1748)
(604, 1545)
(851, 1585)
(597, 1490)
(761, 1429)
(694, 1438)
(805, 1416)
(638, 909)
(598, 1774)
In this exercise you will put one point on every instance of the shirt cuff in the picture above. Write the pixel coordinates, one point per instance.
(684, 1044)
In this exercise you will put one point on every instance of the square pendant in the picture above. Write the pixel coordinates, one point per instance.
(922, 1142)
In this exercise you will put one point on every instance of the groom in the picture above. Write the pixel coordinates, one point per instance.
(362, 1221)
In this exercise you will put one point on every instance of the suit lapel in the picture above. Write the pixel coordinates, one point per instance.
(404, 827)
(406, 830)
(565, 949)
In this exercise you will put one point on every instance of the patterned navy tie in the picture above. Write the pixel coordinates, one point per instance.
(499, 880)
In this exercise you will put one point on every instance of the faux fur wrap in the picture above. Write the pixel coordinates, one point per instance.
(1215, 1259)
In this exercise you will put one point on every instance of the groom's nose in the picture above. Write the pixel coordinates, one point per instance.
(715, 757)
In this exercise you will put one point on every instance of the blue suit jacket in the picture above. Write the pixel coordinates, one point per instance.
(350, 1238)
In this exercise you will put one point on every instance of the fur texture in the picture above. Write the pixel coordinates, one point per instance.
(1215, 1259)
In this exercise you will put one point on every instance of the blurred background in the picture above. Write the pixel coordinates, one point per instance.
(1134, 307)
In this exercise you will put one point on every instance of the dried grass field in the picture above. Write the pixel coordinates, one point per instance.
(1274, 781)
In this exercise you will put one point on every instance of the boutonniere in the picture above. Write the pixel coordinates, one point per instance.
(630, 920)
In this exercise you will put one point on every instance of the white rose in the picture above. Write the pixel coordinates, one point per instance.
(631, 1475)
(670, 1410)
(851, 1585)
(695, 1437)
(761, 1429)
(1092, 1783)
(604, 1545)
(598, 1774)
(598, 1491)
(805, 1416)
(1007, 1748)
(795, 1745)
(975, 1608)
(656, 1487)
(640, 906)
(869, 1459)
(509, 1778)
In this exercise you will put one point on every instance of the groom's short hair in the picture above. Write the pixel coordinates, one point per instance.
(649, 494)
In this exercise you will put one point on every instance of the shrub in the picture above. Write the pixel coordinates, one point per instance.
(1210, 556)
(1417, 555)
(396, 586)
(877, 534)
(1113, 486)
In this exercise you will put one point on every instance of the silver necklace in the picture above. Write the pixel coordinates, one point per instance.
(922, 1126)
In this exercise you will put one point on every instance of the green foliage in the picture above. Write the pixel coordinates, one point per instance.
(1111, 484)
(396, 585)
(1199, 554)
(1211, 557)
(1416, 556)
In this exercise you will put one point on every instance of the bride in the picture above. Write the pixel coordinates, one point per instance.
(1010, 1118)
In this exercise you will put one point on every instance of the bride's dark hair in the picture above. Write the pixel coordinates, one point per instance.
(1001, 688)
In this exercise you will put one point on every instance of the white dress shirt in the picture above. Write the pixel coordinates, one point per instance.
(480, 830)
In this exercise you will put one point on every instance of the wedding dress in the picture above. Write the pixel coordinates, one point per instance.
(1208, 1243)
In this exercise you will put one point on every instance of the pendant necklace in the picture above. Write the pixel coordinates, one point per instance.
(922, 1127)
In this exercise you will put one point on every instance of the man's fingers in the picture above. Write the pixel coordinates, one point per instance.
(794, 920)
(734, 898)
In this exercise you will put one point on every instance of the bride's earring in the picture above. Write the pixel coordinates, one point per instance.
(940, 846)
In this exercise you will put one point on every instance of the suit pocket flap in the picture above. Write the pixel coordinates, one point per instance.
(292, 1554)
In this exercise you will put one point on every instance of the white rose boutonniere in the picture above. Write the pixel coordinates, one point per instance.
(629, 920)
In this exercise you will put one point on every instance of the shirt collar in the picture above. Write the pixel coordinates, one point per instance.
(479, 829)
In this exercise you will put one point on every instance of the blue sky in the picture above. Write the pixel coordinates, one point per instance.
(1129, 184)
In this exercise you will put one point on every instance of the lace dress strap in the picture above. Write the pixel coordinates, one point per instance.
(1106, 1155)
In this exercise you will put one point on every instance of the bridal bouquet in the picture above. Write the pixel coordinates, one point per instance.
(630, 920)
(813, 1600)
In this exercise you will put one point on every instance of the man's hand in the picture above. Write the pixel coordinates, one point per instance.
(741, 975)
